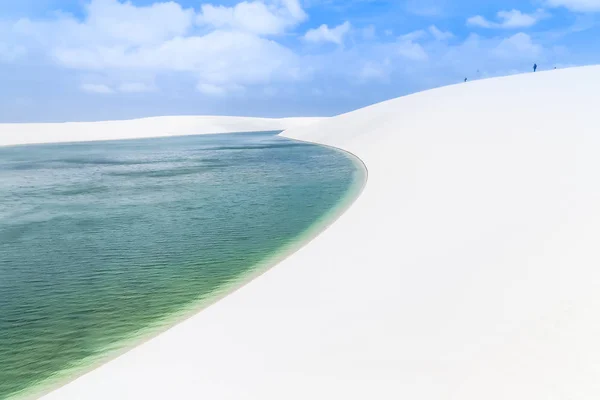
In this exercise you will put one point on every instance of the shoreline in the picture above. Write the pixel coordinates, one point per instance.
(13, 134)
(466, 268)
(144, 335)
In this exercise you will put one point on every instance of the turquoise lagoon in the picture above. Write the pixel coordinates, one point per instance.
(104, 244)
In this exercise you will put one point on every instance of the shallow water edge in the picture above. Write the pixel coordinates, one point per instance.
(62, 378)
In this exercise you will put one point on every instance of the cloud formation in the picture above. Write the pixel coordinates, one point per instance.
(408, 46)
(440, 35)
(325, 34)
(576, 5)
(164, 37)
(255, 17)
(267, 53)
(512, 19)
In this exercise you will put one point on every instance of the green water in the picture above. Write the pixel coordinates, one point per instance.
(102, 243)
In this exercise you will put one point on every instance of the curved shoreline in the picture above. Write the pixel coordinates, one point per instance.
(466, 269)
(14, 134)
(86, 366)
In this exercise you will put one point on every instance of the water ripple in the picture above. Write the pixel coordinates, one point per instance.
(103, 242)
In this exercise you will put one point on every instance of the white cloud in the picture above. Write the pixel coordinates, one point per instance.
(411, 50)
(229, 55)
(576, 5)
(111, 23)
(480, 57)
(408, 47)
(423, 61)
(325, 34)
(480, 21)
(509, 19)
(120, 40)
(414, 35)
(440, 35)
(256, 17)
(518, 45)
(124, 22)
(96, 88)
(135, 87)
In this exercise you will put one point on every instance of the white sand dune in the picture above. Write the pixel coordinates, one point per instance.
(469, 268)
(11, 134)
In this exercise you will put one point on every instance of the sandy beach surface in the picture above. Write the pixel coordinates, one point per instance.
(467, 269)
(12, 134)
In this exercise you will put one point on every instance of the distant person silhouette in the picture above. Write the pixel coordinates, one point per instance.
(534, 67)
(465, 79)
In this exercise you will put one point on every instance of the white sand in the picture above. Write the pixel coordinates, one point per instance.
(469, 268)
(11, 134)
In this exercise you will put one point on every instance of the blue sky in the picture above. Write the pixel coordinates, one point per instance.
(110, 59)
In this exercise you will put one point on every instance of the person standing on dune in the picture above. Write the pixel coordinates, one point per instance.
(534, 67)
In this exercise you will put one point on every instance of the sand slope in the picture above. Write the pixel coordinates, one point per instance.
(11, 134)
(467, 269)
